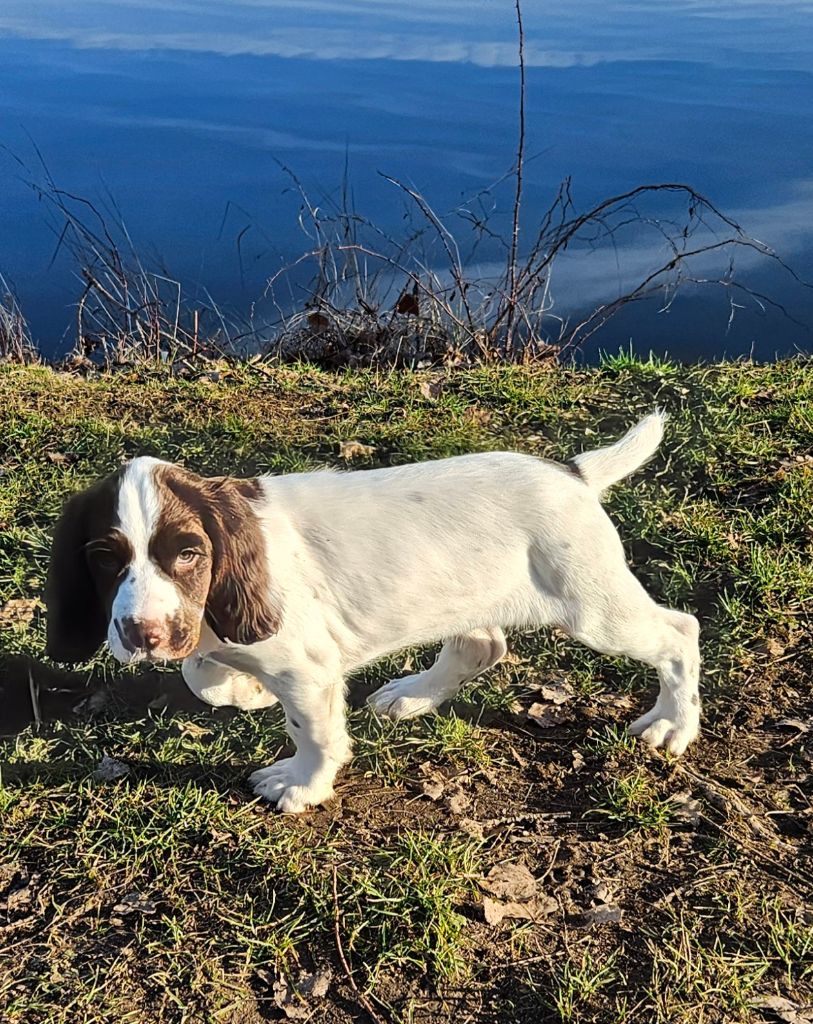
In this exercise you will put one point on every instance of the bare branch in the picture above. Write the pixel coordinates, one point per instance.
(512, 259)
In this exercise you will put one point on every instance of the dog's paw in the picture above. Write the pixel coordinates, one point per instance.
(673, 736)
(291, 786)
(404, 698)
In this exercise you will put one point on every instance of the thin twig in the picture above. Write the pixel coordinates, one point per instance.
(512, 260)
(33, 690)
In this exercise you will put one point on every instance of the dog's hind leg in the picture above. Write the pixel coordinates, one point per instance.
(624, 620)
(460, 660)
(674, 721)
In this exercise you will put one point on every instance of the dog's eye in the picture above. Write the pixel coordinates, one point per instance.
(187, 556)
(107, 561)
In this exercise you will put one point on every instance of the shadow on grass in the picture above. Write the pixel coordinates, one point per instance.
(231, 777)
(33, 692)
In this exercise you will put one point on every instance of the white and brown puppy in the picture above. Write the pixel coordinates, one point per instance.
(278, 587)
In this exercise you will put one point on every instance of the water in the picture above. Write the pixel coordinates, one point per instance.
(183, 110)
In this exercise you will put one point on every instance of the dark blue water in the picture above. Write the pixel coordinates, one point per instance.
(183, 110)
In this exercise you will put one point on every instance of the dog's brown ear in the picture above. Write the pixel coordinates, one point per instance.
(77, 623)
(241, 606)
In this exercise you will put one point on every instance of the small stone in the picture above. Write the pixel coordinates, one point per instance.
(134, 903)
(109, 769)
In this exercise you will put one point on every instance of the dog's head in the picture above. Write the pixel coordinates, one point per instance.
(148, 554)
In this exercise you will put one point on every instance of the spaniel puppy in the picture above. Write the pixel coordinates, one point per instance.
(277, 588)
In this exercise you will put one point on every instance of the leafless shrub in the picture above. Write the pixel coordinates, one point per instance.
(416, 300)
(374, 298)
(127, 310)
(16, 345)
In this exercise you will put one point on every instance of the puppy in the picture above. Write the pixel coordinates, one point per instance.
(276, 588)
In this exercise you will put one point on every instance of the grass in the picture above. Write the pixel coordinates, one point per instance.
(233, 901)
(578, 982)
(634, 801)
(702, 981)
(402, 904)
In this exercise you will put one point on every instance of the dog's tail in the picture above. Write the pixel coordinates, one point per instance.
(603, 467)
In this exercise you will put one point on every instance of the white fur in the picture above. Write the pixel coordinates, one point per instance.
(457, 550)
(602, 467)
(145, 594)
(212, 684)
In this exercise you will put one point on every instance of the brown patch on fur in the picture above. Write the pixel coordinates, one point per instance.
(179, 531)
(250, 488)
(87, 557)
(215, 516)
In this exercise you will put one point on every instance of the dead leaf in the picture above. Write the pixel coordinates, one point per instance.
(109, 769)
(602, 893)
(8, 869)
(23, 896)
(557, 692)
(606, 913)
(472, 828)
(615, 700)
(457, 800)
(318, 321)
(19, 611)
(510, 882)
(408, 303)
(62, 458)
(727, 801)
(784, 1010)
(796, 462)
(734, 540)
(433, 788)
(134, 903)
(774, 647)
(547, 717)
(292, 996)
(478, 417)
(577, 761)
(431, 389)
(193, 730)
(350, 450)
(534, 910)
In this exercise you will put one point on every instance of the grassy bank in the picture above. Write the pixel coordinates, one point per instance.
(664, 891)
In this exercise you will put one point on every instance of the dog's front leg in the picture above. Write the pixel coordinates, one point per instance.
(315, 720)
(220, 683)
(312, 696)
(224, 687)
